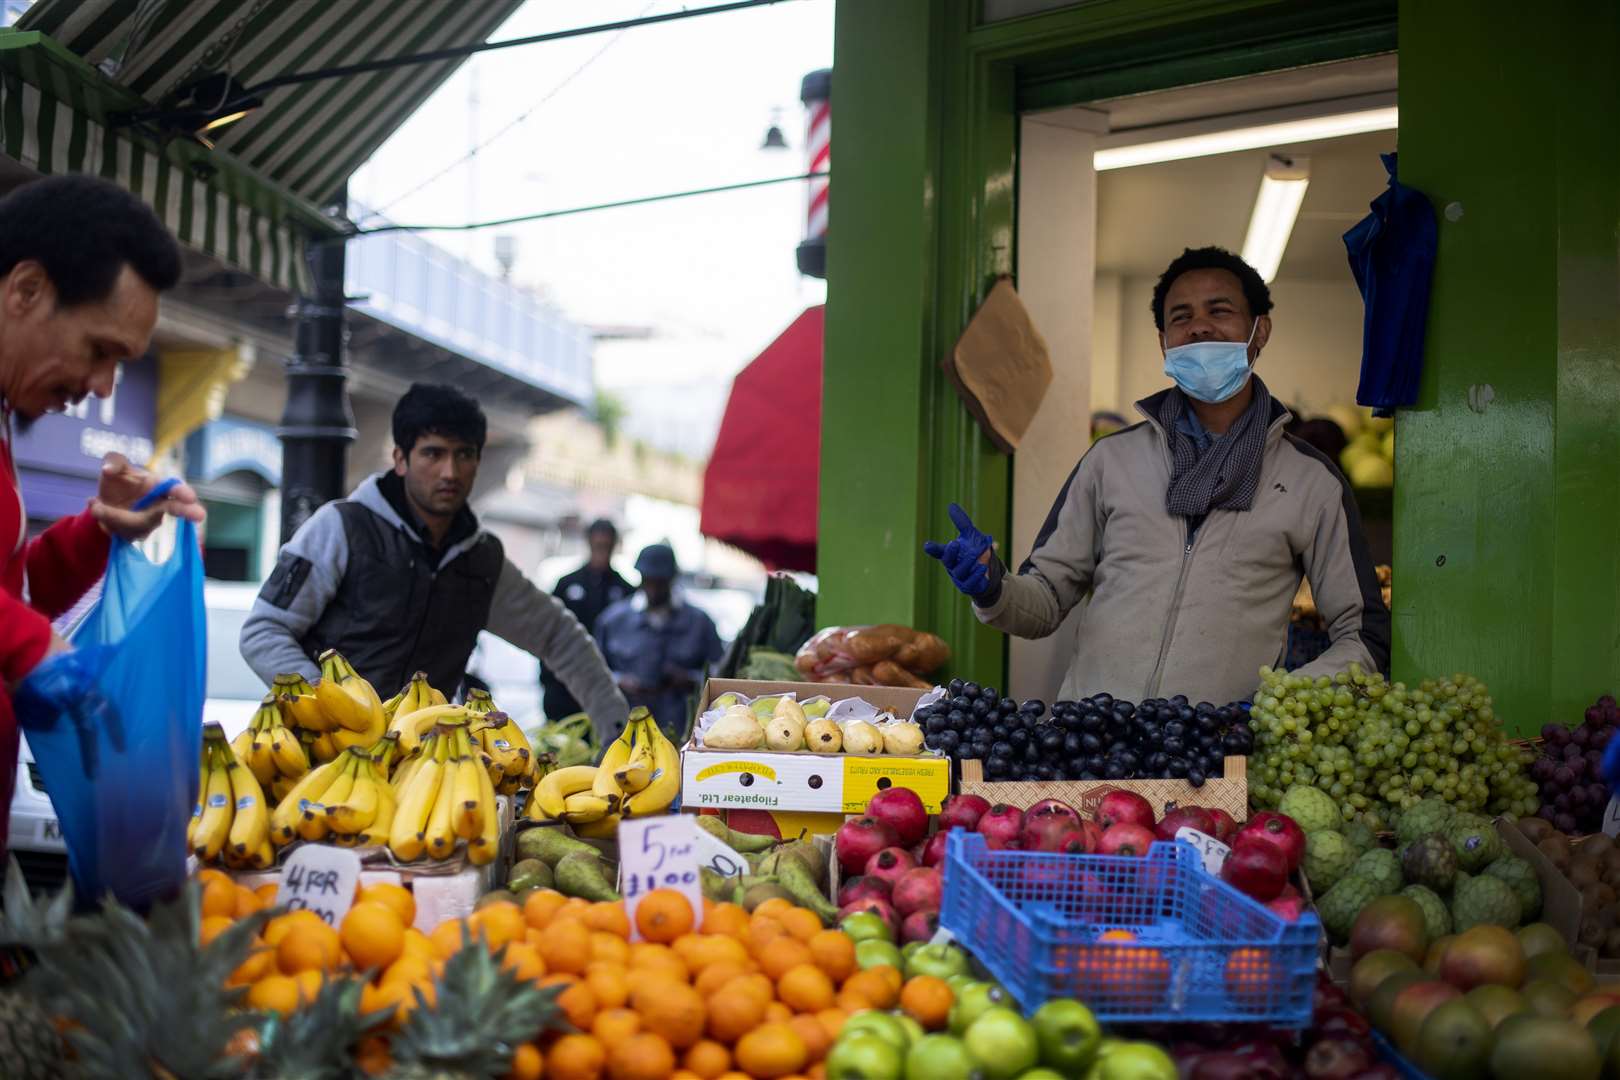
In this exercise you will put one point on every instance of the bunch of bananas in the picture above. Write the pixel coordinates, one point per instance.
(231, 821)
(445, 794)
(417, 694)
(271, 750)
(512, 762)
(347, 800)
(341, 708)
(639, 775)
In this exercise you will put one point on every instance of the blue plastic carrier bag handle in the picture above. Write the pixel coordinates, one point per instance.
(115, 725)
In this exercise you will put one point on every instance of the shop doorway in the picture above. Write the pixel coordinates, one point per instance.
(238, 539)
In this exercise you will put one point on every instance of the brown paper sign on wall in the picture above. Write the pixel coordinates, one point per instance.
(1000, 367)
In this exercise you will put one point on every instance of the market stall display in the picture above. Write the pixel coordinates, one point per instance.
(882, 655)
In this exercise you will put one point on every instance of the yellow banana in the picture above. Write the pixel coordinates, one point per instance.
(214, 827)
(290, 807)
(279, 788)
(250, 821)
(350, 702)
(296, 700)
(483, 848)
(311, 823)
(665, 782)
(439, 836)
(322, 748)
(558, 785)
(376, 834)
(603, 828)
(242, 745)
(467, 809)
(202, 795)
(479, 702)
(636, 773)
(584, 807)
(263, 857)
(614, 758)
(406, 835)
(413, 725)
(287, 753)
(359, 808)
(436, 697)
(413, 697)
(383, 754)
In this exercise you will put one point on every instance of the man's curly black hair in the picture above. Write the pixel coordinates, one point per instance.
(1213, 258)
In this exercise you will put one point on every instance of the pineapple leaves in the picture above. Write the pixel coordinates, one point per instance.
(316, 1042)
(26, 922)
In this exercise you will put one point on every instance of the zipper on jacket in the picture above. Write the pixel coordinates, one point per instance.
(1175, 607)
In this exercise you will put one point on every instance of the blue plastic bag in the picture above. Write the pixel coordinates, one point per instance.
(115, 725)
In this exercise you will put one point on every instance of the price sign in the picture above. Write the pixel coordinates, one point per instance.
(1611, 818)
(714, 854)
(659, 853)
(321, 879)
(1214, 852)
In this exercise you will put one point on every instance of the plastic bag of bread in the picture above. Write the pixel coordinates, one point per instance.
(883, 655)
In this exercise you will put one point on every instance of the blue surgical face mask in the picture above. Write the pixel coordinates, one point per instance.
(1211, 371)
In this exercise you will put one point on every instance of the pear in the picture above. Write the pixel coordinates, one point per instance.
(902, 738)
(735, 731)
(791, 710)
(861, 737)
(784, 732)
(817, 708)
(823, 737)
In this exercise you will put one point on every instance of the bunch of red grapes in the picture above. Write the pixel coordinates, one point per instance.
(1569, 771)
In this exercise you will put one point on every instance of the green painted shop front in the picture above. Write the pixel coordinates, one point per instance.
(1507, 503)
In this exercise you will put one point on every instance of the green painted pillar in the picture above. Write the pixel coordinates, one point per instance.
(1507, 498)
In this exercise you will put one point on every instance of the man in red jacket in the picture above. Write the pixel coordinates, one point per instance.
(81, 264)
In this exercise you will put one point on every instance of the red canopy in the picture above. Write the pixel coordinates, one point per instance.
(760, 489)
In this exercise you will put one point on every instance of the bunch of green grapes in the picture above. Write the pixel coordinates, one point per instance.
(1378, 747)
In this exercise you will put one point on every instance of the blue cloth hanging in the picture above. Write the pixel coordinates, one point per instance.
(1392, 254)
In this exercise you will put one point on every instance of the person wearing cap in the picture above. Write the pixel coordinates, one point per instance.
(587, 592)
(657, 645)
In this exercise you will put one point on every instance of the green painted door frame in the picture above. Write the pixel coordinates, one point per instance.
(925, 145)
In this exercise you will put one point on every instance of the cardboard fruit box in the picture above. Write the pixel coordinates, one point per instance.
(800, 780)
(1230, 792)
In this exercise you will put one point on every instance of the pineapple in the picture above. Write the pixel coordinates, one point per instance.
(482, 1013)
(30, 1046)
(317, 1041)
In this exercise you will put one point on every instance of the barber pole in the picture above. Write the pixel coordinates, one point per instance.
(816, 93)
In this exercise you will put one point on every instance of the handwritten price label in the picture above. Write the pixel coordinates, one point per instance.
(321, 879)
(659, 853)
(1214, 852)
(716, 855)
(1611, 818)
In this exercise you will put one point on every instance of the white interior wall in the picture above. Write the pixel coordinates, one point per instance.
(1057, 200)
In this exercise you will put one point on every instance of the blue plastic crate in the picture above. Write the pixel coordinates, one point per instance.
(1047, 926)
(1392, 1056)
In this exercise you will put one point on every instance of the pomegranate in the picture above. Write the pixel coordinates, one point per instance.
(1279, 830)
(858, 839)
(1001, 825)
(888, 864)
(1124, 808)
(919, 926)
(879, 907)
(922, 888)
(1074, 842)
(962, 811)
(1185, 817)
(862, 887)
(1287, 908)
(1044, 832)
(933, 850)
(1126, 838)
(1226, 825)
(1257, 868)
(1052, 806)
(902, 810)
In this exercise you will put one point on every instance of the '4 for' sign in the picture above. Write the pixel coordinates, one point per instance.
(659, 853)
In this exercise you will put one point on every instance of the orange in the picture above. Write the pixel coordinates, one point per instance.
(706, 1059)
(762, 930)
(664, 915)
(928, 1001)
(372, 935)
(806, 989)
(816, 1040)
(720, 948)
(752, 983)
(612, 1025)
(609, 915)
(773, 908)
(396, 994)
(259, 963)
(647, 955)
(851, 1002)
(449, 936)
(274, 993)
(501, 922)
(641, 1057)
(219, 897)
(398, 897)
(575, 1057)
(892, 974)
(734, 1012)
(373, 1059)
(609, 983)
(873, 987)
(267, 892)
(419, 944)
(540, 906)
(802, 923)
(213, 926)
(610, 947)
(771, 1051)
(523, 960)
(412, 970)
(526, 1063)
(247, 902)
(834, 952)
(674, 1011)
(777, 1013)
(647, 986)
(783, 955)
(208, 873)
(566, 947)
(312, 946)
(282, 925)
(832, 1021)
(309, 985)
(574, 907)
(727, 919)
(576, 1000)
(715, 976)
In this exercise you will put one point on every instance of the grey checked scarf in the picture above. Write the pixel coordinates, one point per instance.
(1226, 476)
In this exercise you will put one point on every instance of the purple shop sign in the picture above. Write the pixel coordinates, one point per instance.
(59, 456)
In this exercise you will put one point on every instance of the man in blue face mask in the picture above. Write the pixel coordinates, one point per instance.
(1186, 535)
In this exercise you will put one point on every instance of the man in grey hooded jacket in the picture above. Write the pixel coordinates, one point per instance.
(1186, 535)
(400, 578)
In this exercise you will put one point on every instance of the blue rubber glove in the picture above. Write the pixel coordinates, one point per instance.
(964, 557)
(64, 686)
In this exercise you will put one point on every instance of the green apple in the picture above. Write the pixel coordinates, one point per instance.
(870, 954)
(886, 1026)
(865, 926)
(1137, 1061)
(961, 982)
(1039, 1073)
(1002, 1042)
(909, 949)
(941, 961)
(940, 1057)
(975, 999)
(1069, 1034)
(864, 1056)
(914, 1030)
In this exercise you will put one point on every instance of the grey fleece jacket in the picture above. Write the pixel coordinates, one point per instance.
(1168, 612)
(520, 613)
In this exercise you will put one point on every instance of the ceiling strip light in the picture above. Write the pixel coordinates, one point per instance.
(1282, 189)
(1247, 138)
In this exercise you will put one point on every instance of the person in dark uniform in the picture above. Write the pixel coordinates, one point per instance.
(587, 592)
